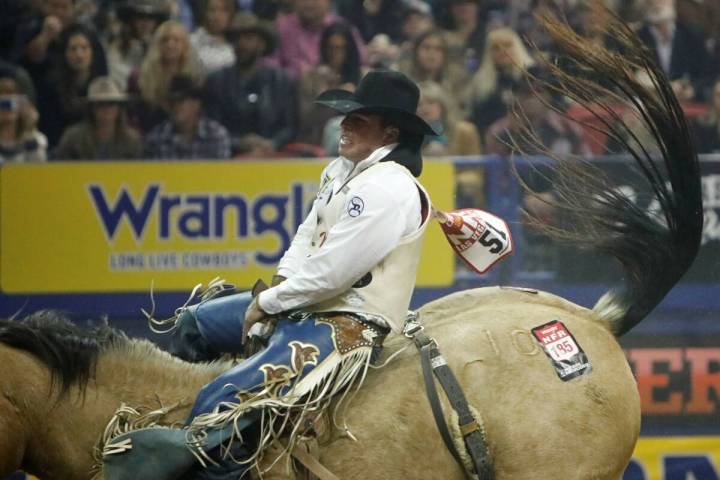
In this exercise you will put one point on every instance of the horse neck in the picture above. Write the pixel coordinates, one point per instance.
(142, 375)
(61, 431)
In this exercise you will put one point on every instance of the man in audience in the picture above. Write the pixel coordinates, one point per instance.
(38, 41)
(679, 51)
(188, 135)
(258, 103)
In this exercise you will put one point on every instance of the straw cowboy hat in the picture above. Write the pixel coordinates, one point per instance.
(105, 90)
(385, 92)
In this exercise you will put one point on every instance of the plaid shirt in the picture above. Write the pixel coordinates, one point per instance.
(211, 141)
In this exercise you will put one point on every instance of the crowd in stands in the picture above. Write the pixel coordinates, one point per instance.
(219, 79)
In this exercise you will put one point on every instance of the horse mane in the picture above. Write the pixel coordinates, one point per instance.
(655, 248)
(69, 351)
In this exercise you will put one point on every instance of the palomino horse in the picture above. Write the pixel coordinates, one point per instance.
(62, 384)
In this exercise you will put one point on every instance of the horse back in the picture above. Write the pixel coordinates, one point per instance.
(530, 415)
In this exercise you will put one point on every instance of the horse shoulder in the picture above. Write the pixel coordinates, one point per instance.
(13, 437)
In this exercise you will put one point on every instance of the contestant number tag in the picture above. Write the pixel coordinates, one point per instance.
(563, 350)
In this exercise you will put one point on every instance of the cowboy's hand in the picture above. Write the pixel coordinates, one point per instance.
(253, 315)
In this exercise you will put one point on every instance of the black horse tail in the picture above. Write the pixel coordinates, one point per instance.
(655, 246)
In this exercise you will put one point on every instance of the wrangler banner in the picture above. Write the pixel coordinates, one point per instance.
(117, 227)
(675, 458)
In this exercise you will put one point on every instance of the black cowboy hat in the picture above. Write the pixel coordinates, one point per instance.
(385, 92)
(245, 22)
(182, 87)
(156, 9)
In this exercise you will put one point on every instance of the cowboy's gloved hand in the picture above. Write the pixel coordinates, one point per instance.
(253, 315)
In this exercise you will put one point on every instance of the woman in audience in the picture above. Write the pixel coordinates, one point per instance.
(339, 68)
(170, 54)
(430, 61)
(139, 20)
(209, 40)
(503, 62)
(104, 134)
(437, 107)
(61, 98)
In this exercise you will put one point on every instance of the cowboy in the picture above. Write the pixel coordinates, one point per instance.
(346, 281)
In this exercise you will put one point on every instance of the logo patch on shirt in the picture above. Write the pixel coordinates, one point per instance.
(355, 206)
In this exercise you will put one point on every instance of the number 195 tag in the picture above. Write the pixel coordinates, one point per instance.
(567, 357)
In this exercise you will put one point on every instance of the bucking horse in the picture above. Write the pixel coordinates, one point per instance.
(541, 416)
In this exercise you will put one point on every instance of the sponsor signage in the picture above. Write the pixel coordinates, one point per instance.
(675, 458)
(117, 227)
(678, 381)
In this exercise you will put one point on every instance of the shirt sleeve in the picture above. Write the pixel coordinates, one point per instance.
(353, 246)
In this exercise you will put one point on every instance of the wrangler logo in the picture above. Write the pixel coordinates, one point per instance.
(201, 216)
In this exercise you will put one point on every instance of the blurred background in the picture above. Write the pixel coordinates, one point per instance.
(159, 144)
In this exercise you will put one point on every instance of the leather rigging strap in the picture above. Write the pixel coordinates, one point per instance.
(434, 362)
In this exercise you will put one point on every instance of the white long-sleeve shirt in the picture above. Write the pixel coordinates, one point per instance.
(354, 245)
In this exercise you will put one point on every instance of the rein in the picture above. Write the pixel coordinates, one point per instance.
(434, 363)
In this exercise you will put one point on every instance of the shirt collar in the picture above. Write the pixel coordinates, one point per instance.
(369, 161)
(655, 31)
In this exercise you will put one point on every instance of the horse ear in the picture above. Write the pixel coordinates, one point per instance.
(259, 286)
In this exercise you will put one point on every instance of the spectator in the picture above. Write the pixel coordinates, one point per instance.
(170, 54)
(532, 108)
(339, 68)
(678, 50)
(17, 79)
(491, 91)
(139, 20)
(38, 36)
(209, 40)
(438, 108)
(104, 134)
(707, 127)
(416, 20)
(431, 61)
(256, 102)
(299, 36)
(61, 95)
(39, 40)
(20, 140)
(466, 32)
(374, 17)
(188, 135)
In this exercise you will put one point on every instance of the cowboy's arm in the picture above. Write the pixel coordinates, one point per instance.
(353, 247)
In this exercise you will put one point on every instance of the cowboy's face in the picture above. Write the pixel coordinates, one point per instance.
(361, 134)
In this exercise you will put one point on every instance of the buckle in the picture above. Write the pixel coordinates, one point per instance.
(412, 324)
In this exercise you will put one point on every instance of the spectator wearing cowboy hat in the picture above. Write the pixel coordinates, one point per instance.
(104, 134)
(258, 103)
(139, 20)
(188, 135)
